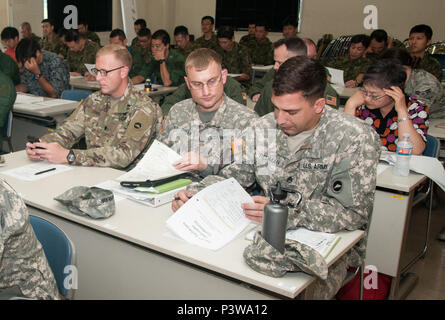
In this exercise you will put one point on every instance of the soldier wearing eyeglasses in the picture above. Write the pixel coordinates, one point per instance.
(118, 122)
(195, 127)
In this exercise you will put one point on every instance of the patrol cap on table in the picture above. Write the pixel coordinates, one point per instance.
(94, 202)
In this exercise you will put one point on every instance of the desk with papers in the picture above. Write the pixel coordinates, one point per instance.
(133, 256)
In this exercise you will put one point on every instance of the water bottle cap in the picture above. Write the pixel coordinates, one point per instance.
(277, 193)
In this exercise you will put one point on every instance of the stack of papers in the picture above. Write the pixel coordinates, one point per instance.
(213, 217)
(36, 171)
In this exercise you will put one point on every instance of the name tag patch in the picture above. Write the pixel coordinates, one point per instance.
(312, 166)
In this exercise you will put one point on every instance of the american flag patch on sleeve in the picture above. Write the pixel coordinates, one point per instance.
(238, 146)
(331, 100)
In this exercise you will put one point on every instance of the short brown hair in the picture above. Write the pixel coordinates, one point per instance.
(121, 53)
(201, 58)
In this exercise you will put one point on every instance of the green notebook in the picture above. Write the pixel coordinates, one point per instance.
(176, 184)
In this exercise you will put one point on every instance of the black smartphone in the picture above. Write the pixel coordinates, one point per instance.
(32, 139)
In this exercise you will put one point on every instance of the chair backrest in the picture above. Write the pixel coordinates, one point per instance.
(75, 95)
(7, 129)
(59, 249)
(432, 147)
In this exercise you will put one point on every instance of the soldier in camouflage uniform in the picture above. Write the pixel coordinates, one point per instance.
(24, 270)
(208, 40)
(207, 114)
(118, 122)
(81, 51)
(50, 41)
(90, 35)
(419, 39)
(283, 50)
(142, 56)
(326, 155)
(232, 89)
(9, 67)
(43, 73)
(26, 32)
(7, 99)
(261, 50)
(235, 57)
(249, 36)
(354, 65)
(183, 44)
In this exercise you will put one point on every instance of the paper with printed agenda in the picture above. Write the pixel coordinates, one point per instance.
(336, 76)
(213, 217)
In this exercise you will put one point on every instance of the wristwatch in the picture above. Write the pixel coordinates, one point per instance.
(38, 76)
(161, 61)
(71, 157)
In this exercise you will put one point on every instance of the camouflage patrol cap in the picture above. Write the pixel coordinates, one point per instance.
(94, 202)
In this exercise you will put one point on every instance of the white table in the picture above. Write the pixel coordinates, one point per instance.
(129, 256)
(437, 129)
(388, 232)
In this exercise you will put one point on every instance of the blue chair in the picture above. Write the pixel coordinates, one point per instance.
(7, 132)
(75, 95)
(59, 250)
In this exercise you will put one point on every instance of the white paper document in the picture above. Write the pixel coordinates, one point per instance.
(36, 171)
(23, 98)
(155, 165)
(213, 217)
(336, 76)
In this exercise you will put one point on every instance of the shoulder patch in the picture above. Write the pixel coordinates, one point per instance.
(140, 123)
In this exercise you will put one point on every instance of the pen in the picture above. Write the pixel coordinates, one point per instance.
(45, 171)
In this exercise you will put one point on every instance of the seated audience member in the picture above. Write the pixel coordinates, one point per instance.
(26, 32)
(382, 104)
(235, 57)
(283, 50)
(290, 27)
(43, 73)
(166, 67)
(24, 270)
(232, 89)
(300, 135)
(81, 51)
(419, 39)
(208, 39)
(250, 36)
(261, 50)
(419, 83)
(208, 112)
(118, 37)
(63, 53)
(9, 67)
(354, 64)
(118, 122)
(10, 37)
(50, 41)
(142, 56)
(139, 24)
(90, 35)
(378, 42)
(182, 38)
(7, 99)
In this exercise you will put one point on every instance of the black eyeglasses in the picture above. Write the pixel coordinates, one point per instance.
(103, 72)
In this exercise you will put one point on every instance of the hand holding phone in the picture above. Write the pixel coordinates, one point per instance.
(32, 139)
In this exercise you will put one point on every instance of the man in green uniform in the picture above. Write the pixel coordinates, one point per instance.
(166, 67)
(50, 41)
(290, 27)
(10, 68)
(138, 25)
(328, 157)
(250, 36)
(83, 30)
(81, 51)
(261, 50)
(118, 122)
(419, 39)
(235, 57)
(7, 99)
(208, 39)
(26, 32)
(183, 44)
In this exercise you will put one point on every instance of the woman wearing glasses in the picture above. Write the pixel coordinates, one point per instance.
(383, 104)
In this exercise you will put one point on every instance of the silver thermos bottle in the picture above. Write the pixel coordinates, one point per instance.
(275, 218)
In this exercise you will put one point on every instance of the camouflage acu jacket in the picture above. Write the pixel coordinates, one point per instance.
(22, 261)
(115, 135)
(76, 60)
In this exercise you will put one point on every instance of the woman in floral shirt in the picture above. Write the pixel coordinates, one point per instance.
(383, 104)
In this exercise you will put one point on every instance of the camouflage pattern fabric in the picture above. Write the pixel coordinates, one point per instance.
(93, 37)
(261, 52)
(201, 42)
(93, 202)
(246, 39)
(232, 89)
(116, 135)
(54, 46)
(430, 64)
(35, 38)
(54, 69)
(10, 68)
(184, 120)
(185, 52)
(334, 170)
(23, 264)
(236, 61)
(424, 86)
(76, 60)
(265, 259)
(264, 104)
(7, 99)
(141, 58)
(351, 68)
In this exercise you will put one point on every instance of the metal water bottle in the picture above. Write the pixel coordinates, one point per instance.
(148, 86)
(275, 218)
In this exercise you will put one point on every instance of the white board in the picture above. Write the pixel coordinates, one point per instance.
(129, 16)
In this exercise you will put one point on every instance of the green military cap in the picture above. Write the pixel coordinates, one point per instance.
(94, 202)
